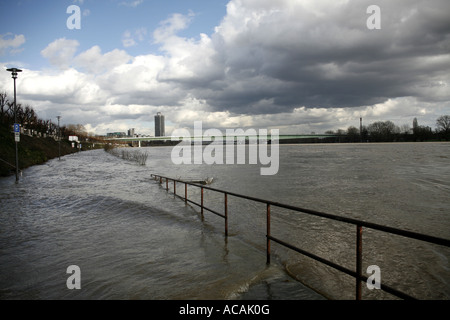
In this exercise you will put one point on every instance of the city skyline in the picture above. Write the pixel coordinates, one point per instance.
(223, 62)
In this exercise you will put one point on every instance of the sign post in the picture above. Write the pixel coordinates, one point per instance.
(17, 132)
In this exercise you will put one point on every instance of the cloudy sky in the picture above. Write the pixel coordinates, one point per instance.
(297, 65)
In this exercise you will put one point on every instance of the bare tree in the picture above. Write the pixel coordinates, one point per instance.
(405, 128)
(383, 130)
(76, 130)
(3, 105)
(10, 112)
(353, 134)
(443, 126)
(443, 123)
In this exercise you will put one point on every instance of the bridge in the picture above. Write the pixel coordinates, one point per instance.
(225, 138)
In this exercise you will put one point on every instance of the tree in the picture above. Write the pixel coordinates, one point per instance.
(443, 123)
(76, 130)
(383, 131)
(423, 133)
(30, 116)
(353, 134)
(443, 126)
(364, 134)
(405, 128)
(3, 106)
(10, 112)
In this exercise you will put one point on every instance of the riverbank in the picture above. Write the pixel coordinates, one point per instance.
(31, 150)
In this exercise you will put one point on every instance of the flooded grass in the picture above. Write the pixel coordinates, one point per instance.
(135, 155)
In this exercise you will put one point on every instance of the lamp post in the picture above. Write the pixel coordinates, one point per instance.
(14, 72)
(59, 139)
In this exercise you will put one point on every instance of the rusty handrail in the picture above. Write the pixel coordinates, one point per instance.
(358, 223)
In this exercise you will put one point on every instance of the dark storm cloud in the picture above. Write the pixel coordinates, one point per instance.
(319, 55)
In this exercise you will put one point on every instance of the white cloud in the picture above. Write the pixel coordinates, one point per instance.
(169, 27)
(130, 39)
(93, 61)
(68, 87)
(61, 52)
(127, 39)
(9, 45)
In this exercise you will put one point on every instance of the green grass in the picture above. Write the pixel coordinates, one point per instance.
(31, 150)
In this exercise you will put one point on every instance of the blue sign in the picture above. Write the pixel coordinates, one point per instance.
(16, 127)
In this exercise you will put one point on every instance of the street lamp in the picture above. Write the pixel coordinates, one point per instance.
(14, 72)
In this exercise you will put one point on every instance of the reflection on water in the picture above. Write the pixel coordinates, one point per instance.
(133, 240)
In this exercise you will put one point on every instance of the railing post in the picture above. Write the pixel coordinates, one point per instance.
(174, 187)
(268, 234)
(185, 192)
(226, 214)
(358, 261)
(160, 180)
(202, 203)
(167, 184)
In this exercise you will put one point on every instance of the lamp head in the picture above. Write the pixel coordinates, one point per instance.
(14, 72)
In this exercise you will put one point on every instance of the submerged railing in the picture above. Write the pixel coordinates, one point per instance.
(357, 274)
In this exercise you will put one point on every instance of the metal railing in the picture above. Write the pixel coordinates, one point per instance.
(357, 274)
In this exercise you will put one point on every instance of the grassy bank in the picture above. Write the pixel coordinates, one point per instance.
(32, 150)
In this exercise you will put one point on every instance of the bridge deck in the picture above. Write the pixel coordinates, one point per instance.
(224, 137)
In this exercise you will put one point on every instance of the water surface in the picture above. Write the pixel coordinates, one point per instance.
(134, 240)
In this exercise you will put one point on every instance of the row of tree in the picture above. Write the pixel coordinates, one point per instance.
(387, 131)
(25, 116)
(28, 119)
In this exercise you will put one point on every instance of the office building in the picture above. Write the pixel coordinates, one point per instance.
(159, 125)
(116, 134)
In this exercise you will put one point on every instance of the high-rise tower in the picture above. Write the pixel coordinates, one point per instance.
(159, 125)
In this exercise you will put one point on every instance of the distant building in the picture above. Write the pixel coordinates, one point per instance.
(131, 132)
(116, 134)
(415, 125)
(159, 125)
